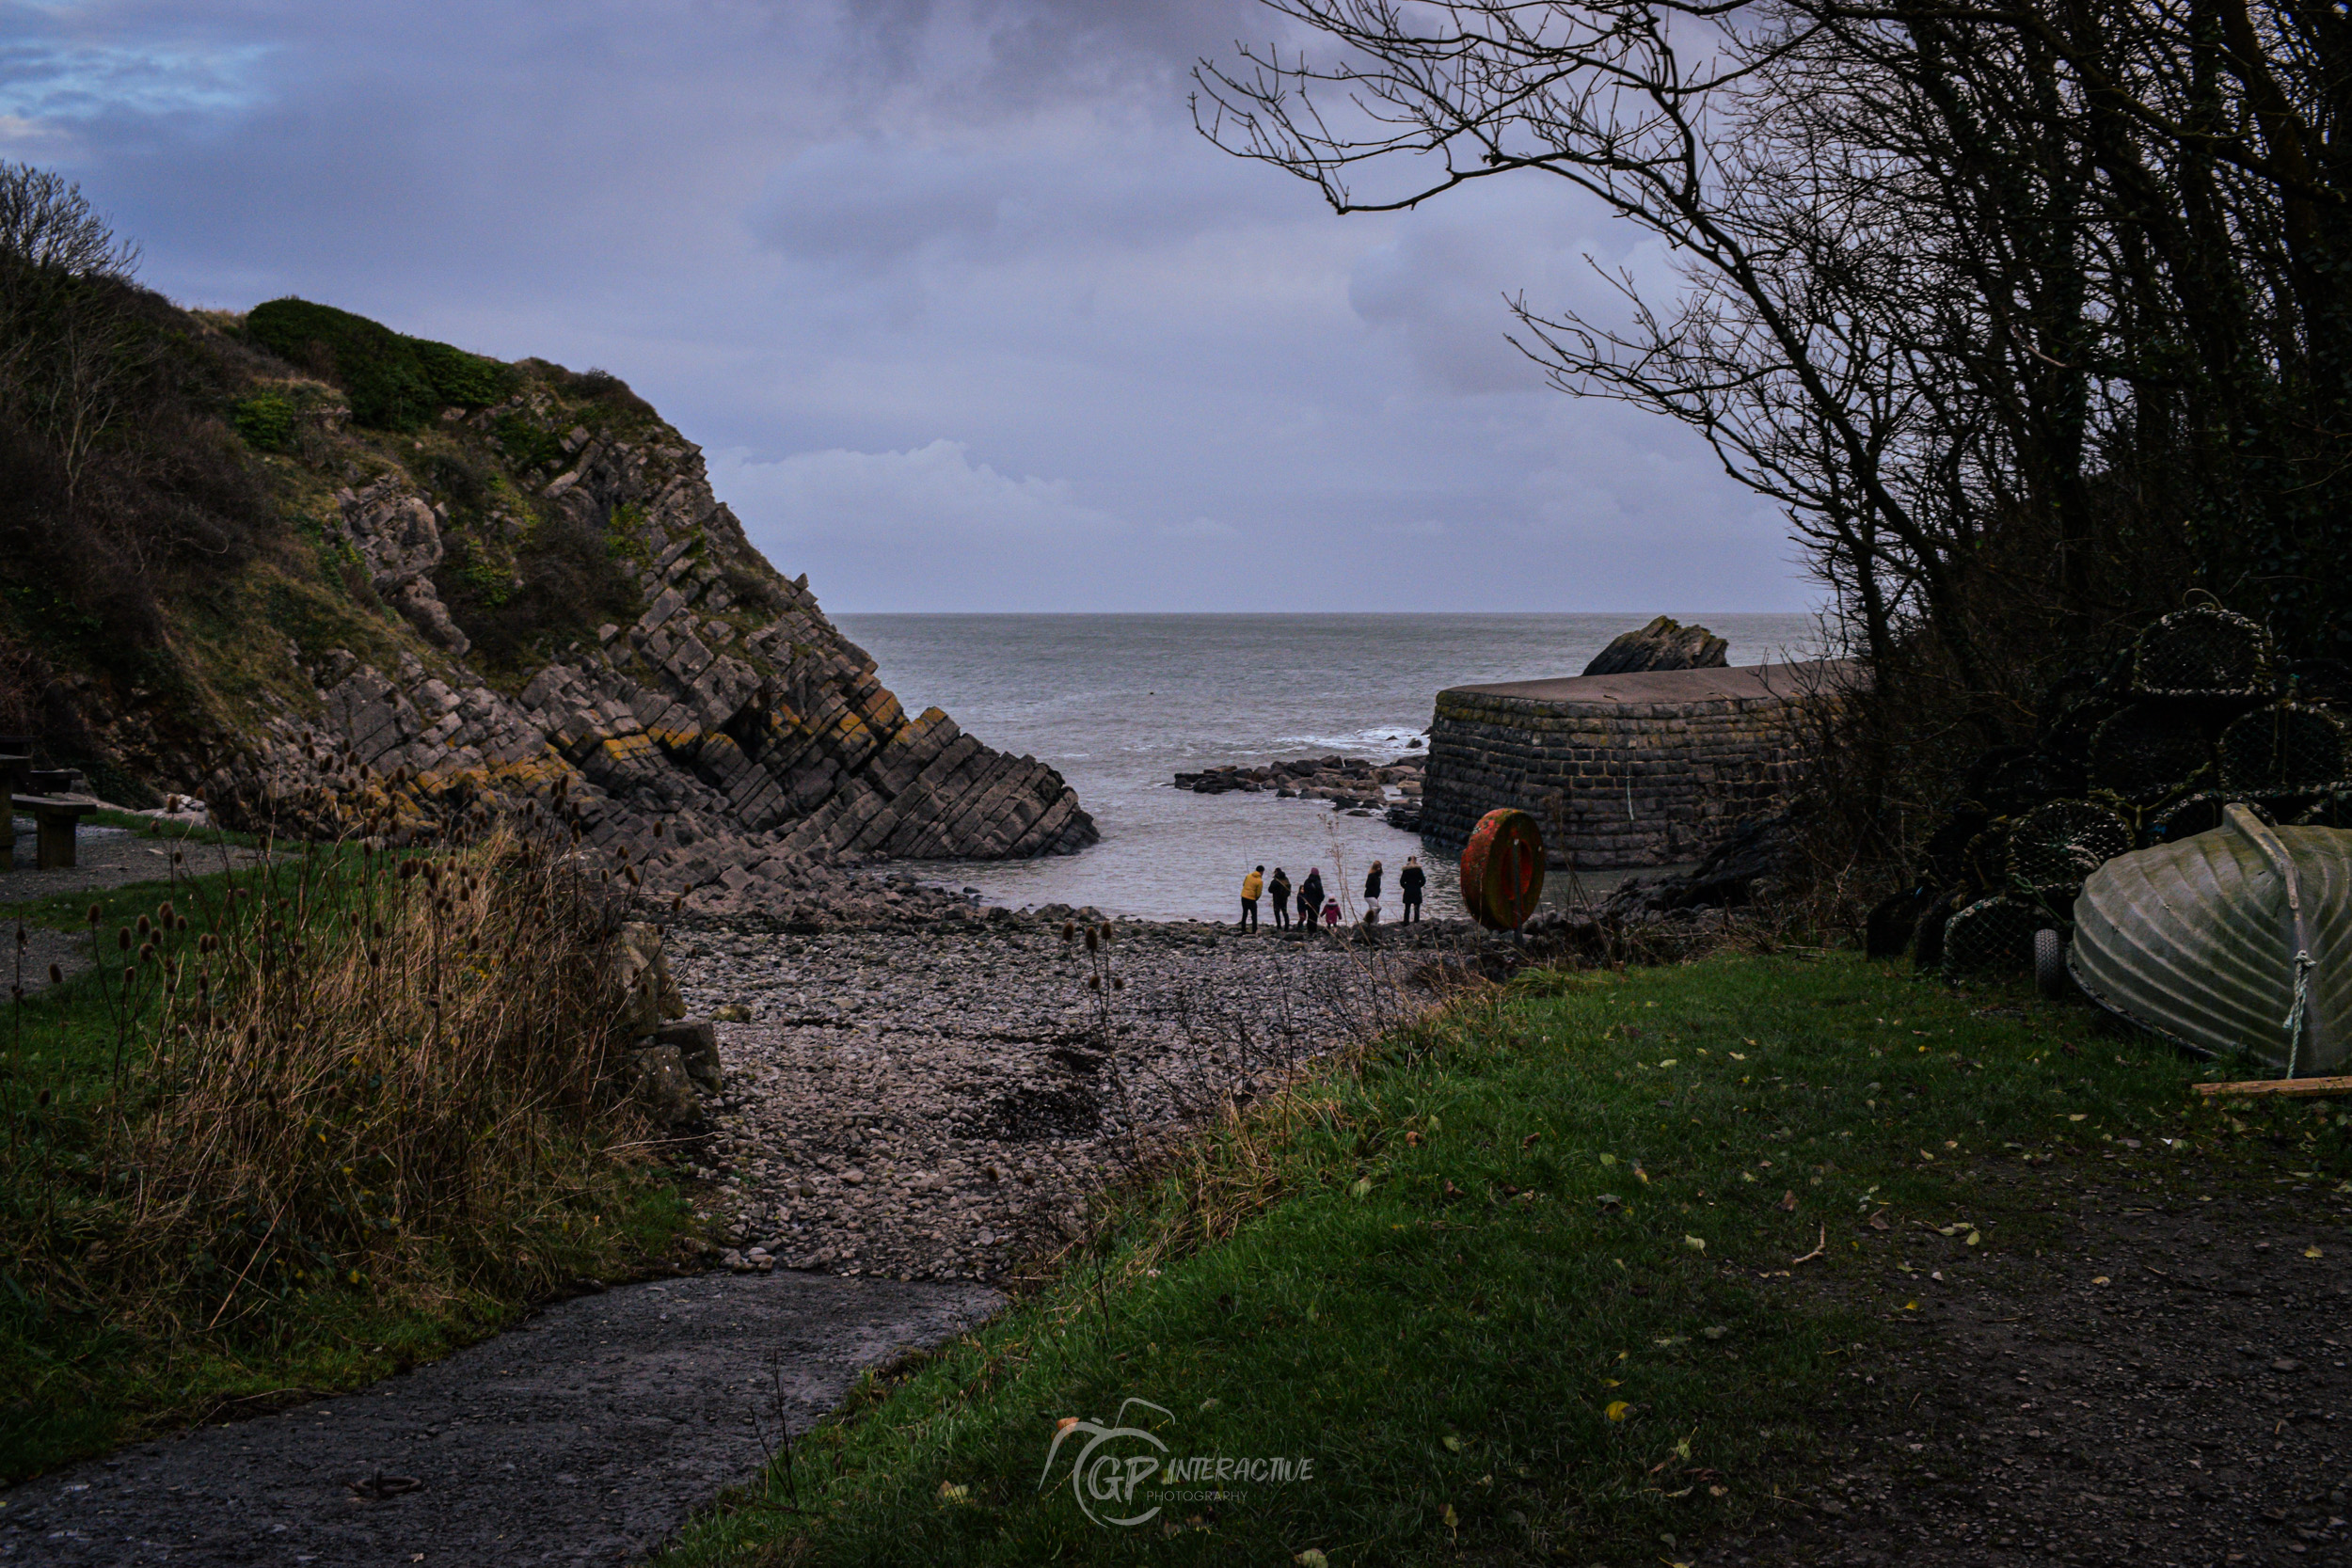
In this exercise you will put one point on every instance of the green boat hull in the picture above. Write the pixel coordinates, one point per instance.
(2236, 942)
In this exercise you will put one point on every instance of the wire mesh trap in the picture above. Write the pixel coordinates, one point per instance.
(2285, 749)
(2203, 651)
(2149, 751)
(1995, 935)
(2054, 846)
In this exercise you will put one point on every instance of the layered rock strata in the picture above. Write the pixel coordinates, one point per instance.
(1650, 768)
(726, 708)
(1665, 643)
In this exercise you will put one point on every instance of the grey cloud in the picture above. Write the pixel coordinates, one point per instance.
(977, 320)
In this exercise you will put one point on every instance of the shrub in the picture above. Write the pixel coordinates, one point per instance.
(464, 380)
(394, 382)
(266, 421)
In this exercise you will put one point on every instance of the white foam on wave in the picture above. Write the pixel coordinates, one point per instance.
(1363, 740)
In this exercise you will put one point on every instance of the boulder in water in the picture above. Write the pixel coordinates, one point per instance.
(1664, 644)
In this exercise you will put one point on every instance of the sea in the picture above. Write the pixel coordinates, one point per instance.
(1120, 704)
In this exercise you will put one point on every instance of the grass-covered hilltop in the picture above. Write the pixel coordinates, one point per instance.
(256, 559)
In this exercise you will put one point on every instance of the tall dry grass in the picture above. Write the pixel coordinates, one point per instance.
(348, 1066)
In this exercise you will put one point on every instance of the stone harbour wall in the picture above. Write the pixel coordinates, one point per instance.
(1650, 768)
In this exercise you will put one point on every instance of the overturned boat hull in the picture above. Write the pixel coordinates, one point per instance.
(2236, 942)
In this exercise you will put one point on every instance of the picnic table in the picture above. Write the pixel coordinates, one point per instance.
(56, 819)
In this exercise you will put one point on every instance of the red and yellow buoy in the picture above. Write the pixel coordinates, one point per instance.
(1503, 869)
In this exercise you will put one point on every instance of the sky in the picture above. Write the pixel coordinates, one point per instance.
(964, 311)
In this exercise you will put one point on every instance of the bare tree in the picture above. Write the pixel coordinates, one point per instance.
(2028, 317)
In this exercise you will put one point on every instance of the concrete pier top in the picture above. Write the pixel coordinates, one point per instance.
(1732, 682)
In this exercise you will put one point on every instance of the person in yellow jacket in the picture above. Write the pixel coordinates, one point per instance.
(1251, 886)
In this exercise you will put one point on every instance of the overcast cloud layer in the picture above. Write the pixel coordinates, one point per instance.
(962, 310)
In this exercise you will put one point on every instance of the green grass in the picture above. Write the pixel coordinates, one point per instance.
(1523, 1288)
(84, 1368)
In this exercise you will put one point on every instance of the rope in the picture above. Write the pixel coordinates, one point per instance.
(2304, 964)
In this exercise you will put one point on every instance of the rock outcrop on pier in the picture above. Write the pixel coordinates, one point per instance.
(1665, 643)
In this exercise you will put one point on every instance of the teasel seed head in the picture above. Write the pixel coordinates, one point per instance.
(1094, 940)
(122, 939)
(144, 927)
(56, 976)
(1094, 982)
(1067, 930)
(93, 914)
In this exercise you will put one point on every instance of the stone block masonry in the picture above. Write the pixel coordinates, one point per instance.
(1649, 769)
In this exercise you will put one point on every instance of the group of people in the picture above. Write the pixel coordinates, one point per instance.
(1313, 905)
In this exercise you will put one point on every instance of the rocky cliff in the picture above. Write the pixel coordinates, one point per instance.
(530, 594)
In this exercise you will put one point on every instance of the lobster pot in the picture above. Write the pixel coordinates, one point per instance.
(2054, 846)
(2204, 652)
(2236, 942)
(2285, 749)
(1994, 936)
(2147, 751)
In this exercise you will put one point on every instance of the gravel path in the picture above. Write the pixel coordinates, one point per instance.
(103, 858)
(939, 1104)
(587, 1435)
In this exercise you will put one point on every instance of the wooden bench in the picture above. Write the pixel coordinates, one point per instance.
(58, 821)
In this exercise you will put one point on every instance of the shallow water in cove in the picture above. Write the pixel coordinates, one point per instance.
(1119, 703)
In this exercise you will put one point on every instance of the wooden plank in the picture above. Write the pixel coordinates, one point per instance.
(2296, 1089)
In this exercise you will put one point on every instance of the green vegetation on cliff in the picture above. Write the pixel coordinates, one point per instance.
(174, 560)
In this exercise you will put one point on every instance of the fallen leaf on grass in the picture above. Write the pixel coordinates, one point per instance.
(1618, 1409)
(1788, 1202)
(1529, 1142)
(1877, 1221)
(1311, 1557)
(1695, 1244)
(1363, 1186)
(1452, 1519)
(2078, 1116)
(950, 1492)
(1974, 1238)
(2311, 1252)
(1453, 1443)
(1719, 1491)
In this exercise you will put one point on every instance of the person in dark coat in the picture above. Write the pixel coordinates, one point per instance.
(1310, 899)
(1372, 894)
(1409, 882)
(1280, 888)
